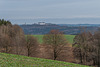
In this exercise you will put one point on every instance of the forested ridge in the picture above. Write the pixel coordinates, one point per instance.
(44, 29)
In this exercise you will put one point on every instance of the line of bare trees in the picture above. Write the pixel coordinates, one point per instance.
(87, 48)
(13, 40)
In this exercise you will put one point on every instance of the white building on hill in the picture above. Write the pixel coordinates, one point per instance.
(41, 23)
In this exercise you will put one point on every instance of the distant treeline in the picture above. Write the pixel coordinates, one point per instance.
(44, 29)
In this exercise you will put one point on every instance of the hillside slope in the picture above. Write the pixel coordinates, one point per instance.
(10, 60)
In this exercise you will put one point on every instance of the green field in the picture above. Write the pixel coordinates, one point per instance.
(68, 37)
(10, 60)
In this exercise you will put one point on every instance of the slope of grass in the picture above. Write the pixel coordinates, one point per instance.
(10, 60)
(39, 37)
(68, 37)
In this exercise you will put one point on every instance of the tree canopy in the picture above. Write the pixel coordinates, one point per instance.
(4, 22)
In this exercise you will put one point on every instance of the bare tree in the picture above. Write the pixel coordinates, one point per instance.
(5, 43)
(31, 43)
(18, 39)
(56, 39)
(83, 47)
(5, 39)
(97, 48)
(78, 43)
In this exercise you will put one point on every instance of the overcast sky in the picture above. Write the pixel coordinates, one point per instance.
(33, 9)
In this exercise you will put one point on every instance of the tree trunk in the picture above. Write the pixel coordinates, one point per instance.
(6, 49)
(81, 57)
(28, 52)
(55, 55)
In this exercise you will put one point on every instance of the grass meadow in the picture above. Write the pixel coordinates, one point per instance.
(68, 37)
(11, 60)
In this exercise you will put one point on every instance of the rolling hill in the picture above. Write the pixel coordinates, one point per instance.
(11, 60)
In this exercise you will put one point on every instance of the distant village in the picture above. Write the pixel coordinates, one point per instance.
(40, 23)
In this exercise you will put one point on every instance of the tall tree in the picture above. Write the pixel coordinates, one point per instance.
(19, 38)
(97, 48)
(31, 43)
(56, 39)
(83, 47)
(5, 39)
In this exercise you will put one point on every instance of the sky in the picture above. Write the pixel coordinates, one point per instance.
(16, 10)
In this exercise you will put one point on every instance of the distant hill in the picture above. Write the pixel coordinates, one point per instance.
(70, 29)
(77, 25)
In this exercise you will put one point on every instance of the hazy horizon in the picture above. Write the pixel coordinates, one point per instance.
(56, 11)
(58, 21)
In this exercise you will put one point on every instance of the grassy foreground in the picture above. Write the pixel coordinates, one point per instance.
(10, 60)
(68, 37)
